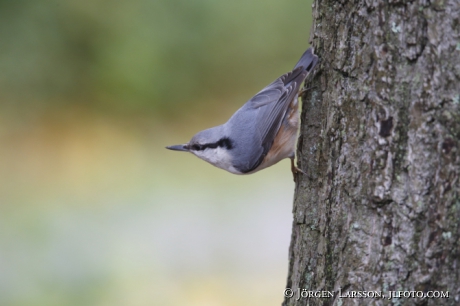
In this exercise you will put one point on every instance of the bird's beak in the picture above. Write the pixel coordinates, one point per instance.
(182, 147)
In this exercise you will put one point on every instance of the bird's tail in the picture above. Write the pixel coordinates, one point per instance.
(308, 60)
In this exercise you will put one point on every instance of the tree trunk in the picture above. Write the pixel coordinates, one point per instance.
(379, 207)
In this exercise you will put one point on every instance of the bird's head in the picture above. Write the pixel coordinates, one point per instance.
(210, 145)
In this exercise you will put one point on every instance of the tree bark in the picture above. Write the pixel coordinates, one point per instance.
(379, 207)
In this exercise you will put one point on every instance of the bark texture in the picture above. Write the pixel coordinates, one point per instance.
(379, 208)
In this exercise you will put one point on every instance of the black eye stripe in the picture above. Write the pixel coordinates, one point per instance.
(223, 143)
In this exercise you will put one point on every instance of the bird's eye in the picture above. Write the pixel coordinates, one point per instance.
(196, 147)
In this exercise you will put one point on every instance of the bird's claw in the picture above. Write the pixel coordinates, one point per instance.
(295, 170)
(305, 89)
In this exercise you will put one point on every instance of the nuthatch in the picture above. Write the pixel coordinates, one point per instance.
(262, 132)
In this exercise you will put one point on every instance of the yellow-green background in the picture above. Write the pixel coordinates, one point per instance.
(93, 209)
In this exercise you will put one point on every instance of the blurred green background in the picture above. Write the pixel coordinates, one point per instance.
(93, 209)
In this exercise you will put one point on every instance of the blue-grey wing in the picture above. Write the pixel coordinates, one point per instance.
(259, 120)
(267, 110)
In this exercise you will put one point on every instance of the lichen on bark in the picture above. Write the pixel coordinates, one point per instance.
(379, 207)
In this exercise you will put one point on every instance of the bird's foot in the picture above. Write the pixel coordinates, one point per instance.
(305, 89)
(295, 170)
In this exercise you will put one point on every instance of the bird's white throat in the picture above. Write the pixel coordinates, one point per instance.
(218, 157)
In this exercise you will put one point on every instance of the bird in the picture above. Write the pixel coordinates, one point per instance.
(262, 132)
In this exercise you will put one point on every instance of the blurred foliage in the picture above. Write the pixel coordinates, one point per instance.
(93, 209)
(143, 55)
